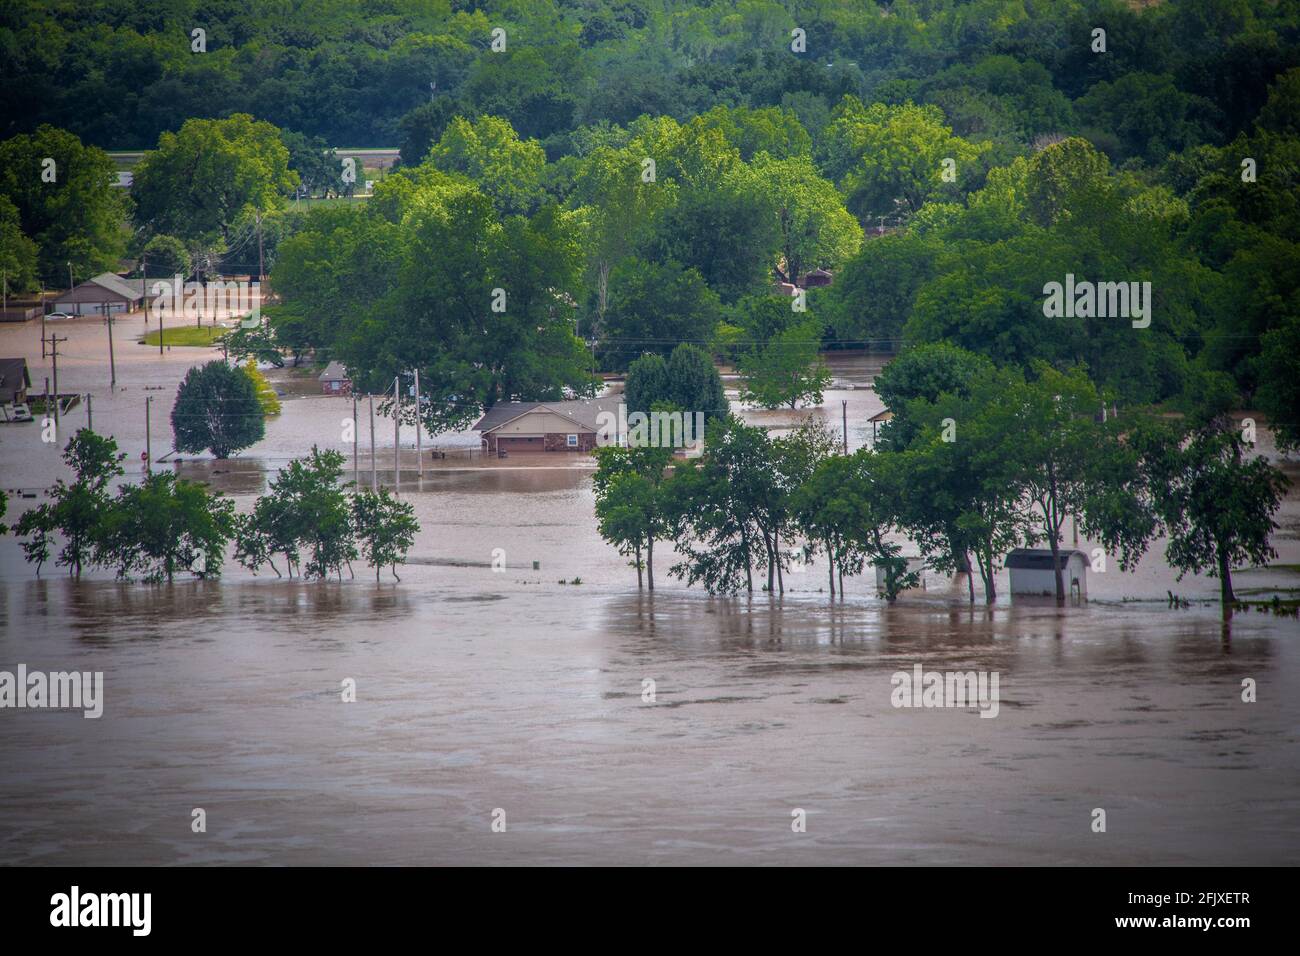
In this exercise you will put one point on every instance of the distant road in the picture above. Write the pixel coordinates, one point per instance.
(372, 157)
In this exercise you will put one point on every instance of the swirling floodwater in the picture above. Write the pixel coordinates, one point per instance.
(506, 696)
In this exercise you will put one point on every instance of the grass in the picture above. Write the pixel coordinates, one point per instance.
(186, 335)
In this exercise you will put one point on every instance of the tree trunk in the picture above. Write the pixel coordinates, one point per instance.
(1056, 568)
(1225, 579)
(830, 564)
(780, 576)
(771, 559)
(650, 563)
(640, 580)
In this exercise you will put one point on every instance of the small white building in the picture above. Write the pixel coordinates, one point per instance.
(1032, 573)
(916, 564)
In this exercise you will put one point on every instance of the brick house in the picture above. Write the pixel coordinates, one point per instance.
(569, 426)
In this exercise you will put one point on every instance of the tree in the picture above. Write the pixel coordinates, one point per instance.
(217, 408)
(787, 370)
(306, 510)
(488, 152)
(385, 528)
(78, 510)
(1067, 463)
(165, 256)
(630, 510)
(210, 175)
(1279, 388)
(720, 508)
(318, 167)
(165, 525)
(1216, 504)
(891, 159)
(654, 308)
(17, 252)
(688, 381)
(74, 218)
(816, 229)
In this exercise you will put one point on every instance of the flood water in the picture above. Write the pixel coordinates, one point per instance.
(481, 690)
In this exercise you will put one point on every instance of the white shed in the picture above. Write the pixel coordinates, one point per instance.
(913, 564)
(1032, 572)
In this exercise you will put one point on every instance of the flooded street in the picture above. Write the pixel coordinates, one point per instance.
(479, 690)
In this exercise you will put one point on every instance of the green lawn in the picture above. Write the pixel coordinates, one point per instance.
(186, 335)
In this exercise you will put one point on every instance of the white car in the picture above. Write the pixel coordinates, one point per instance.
(57, 315)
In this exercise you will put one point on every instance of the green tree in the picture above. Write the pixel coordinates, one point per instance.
(787, 370)
(385, 528)
(217, 408)
(17, 252)
(78, 511)
(1216, 503)
(653, 308)
(74, 218)
(816, 230)
(165, 525)
(489, 153)
(630, 510)
(210, 175)
(165, 256)
(688, 381)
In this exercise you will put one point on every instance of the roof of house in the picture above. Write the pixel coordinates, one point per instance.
(1040, 559)
(13, 377)
(334, 372)
(582, 411)
(127, 288)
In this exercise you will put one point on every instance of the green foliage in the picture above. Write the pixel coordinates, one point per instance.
(265, 392)
(630, 506)
(210, 175)
(385, 528)
(76, 218)
(687, 381)
(654, 308)
(166, 525)
(77, 511)
(787, 369)
(217, 408)
(165, 256)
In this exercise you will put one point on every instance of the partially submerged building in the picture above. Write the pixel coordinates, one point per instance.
(1033, 574)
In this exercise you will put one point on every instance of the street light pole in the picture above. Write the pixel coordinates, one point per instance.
(419, 451)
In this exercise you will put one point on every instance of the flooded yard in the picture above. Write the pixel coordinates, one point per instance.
(480, 691)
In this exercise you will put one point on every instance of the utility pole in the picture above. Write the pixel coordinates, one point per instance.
(112, 363)
(54, 356)
(70, 282)
(42, 321)
(90, 412)
(397, 435)
(259, 246)
(160, 327)
(419, 452)
(844, 403)
(356, 465)
(374, 471)
(148, 444)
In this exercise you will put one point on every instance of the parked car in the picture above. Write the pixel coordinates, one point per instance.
(17, 412)
(57, 315)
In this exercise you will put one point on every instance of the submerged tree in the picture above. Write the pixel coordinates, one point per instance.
(385, 528)
(217, 408)
(630, 506)
(167, 525)
(77, 510)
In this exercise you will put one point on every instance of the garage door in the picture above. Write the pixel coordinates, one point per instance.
(512, 445)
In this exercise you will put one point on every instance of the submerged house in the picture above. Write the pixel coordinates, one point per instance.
(544, 426)
(1032, 572)
(334, 380)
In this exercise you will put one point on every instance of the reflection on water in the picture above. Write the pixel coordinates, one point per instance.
(476, 692)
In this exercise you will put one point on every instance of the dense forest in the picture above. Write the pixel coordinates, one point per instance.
(943, 159)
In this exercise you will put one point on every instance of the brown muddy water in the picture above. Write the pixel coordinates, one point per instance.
(480, 690)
